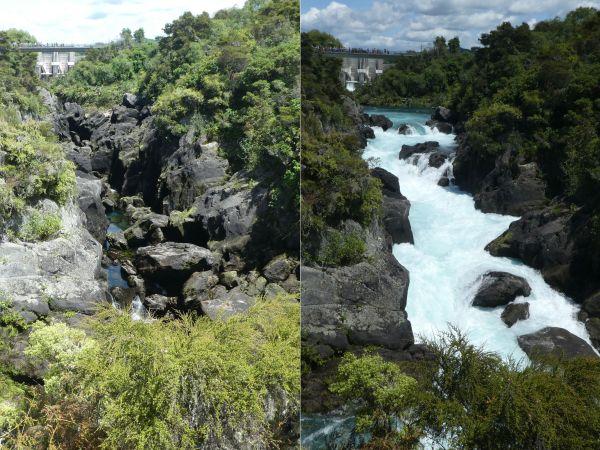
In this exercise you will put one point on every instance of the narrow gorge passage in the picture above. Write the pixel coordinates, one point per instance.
(448, 258)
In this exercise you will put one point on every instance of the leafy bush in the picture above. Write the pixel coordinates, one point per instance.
(166, 384)
(468, 398)
(342, 249)
(39, 226)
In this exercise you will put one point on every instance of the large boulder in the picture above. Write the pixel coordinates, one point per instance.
(404, 129)
(425, 147)
(171, 263)
(230, 210)
(442, 127)
(515, 312)
(555, 341)
(512, 187)
(442, 114)
(437, 159)
(89, 190)
(379, 120)
(396, 207)
(539, 238)
(187, 173)
(279, 269)
(198, 288)
(500, 288)
(361, 304)
(61, 274)
(224, 304)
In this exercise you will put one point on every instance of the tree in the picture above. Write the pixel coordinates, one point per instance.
(126, 37)
(138, 35)
(454, 45)
(439, 45)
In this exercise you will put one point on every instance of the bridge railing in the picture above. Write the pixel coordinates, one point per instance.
(40, 47)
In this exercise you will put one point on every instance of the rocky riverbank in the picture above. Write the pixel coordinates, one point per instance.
(551, 235)
(193, 236)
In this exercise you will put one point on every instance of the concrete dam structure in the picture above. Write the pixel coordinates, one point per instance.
(55, 59)
(360, 67)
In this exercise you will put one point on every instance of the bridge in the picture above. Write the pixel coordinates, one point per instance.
(360, 66)
(56, 59)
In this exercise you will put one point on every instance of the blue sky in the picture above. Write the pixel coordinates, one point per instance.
(88, 21)
(410, 24)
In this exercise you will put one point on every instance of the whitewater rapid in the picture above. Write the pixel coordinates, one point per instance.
(448, 256)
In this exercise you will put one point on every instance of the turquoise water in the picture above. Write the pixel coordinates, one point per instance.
(448, 256)
(445, 264)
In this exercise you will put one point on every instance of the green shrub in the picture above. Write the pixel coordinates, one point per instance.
(466, 397)
(342, 249)
(166, 384)
(39, 226)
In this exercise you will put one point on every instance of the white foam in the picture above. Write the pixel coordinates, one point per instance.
(448, 256)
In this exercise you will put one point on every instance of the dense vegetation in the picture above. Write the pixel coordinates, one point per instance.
(534, 89)
(233, 78)
(157, 385)
(419, 78)
(109, 381)
(336, 184)
(33, 165)
(468, 398)
(100, 79)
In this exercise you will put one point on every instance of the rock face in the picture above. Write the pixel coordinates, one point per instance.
(171, 263)
(61, 274)
(89, 190)
(500, 288)
(515, 312)
(511, 188)
(506, 184)
(396, 207)
(361, 304)
(231, 210)
(555, 341)
(356, 305)
(188, 173)
(379, 120)
(426, 147)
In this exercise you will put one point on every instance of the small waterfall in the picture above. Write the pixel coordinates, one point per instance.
(138, 310)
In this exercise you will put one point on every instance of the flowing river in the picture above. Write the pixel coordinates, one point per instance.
(446, 263)
(448, 257)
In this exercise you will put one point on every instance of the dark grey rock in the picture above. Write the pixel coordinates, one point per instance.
(404, 129)
(500, 288)
(224, 305)
(514, 312)
(379, 120)
(444, 182)
(130, 100)
(279, 268)
(89, 200)
(426, 147)
(437, 159)
(395, 207)
(171, 263)
(198, 287)
(442, 127)
(555, 341)
(361, 304)
(442, 114)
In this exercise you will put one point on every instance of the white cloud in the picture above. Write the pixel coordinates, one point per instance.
(88, 21)
(409, 24)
